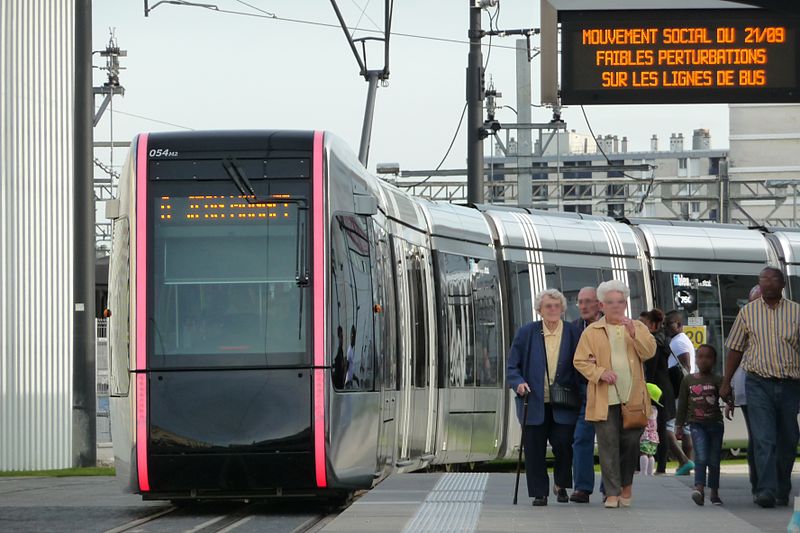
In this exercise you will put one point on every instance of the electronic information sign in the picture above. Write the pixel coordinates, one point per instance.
(678, 56)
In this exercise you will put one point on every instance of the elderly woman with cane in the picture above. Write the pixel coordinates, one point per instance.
(610, 355)
(541, 372)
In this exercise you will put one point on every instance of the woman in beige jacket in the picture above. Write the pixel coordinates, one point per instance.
(610, 355)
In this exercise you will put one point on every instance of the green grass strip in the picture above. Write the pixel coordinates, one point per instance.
(66, 472)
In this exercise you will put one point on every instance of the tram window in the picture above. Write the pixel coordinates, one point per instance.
(351, 309)
(794, 285)
(389, 340)
(520, 294)
(694, 295)
(418, 295)
(224, 291)
(488, 318)
(119, 302)
(459, 335)
(573, 279)
(552, 278)
(734, 291)
(636, 285)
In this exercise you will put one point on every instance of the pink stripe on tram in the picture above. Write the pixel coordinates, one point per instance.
(318, 230)
(141, 312)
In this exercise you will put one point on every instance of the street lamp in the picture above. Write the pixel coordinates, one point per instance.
(783, 184)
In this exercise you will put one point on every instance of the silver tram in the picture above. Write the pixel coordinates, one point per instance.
(284, 323)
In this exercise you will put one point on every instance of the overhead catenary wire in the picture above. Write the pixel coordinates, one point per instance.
(608, 161)
(447, 153)
(153, 120)
(363, 14)
(251, 6)
(272, 16)
(492, 23)
(651, 180)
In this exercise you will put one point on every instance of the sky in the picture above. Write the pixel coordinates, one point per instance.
(191, 67)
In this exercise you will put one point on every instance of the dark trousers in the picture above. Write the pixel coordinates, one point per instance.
(583, 452)
(707, 440)
(751, 453)
(535, 445)
(772, 406)
(662, 452)
(619, 451)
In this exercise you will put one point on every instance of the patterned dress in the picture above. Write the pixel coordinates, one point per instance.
(649, 441)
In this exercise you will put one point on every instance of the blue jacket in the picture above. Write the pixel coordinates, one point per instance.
(580, 324)
(526, 364)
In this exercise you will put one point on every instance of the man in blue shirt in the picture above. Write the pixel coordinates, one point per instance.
(583, 440)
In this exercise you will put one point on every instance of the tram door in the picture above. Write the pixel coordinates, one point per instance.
(420, 306)
(385, 345)
(416, 423)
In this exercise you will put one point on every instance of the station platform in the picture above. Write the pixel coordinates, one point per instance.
(482, 502)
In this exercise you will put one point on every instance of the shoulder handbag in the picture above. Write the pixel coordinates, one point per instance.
(562, 396)
(633, 416)
(676, 373)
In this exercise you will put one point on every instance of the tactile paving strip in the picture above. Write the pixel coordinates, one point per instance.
(453, 505)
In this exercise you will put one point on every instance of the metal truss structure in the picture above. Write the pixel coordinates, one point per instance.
(709, 198)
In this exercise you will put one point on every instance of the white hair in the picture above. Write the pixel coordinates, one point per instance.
(612, 286)
(555, 294)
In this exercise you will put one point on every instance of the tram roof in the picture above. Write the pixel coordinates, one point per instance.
(456, 222)
(562, 232)
(684, 243)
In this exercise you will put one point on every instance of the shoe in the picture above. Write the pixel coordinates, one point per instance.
(612, 502)
(715, 500)
(625, 502)
(561, 495)
(698, 497)
(685, 468)
(782, 502)
(540, 502)
(579, 496)
(765, 500)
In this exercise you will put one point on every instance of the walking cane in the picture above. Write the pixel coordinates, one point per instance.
(521, 440)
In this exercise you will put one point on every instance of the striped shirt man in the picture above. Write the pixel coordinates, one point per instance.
(769, 339)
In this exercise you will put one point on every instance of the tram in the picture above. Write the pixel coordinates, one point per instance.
(283, 323)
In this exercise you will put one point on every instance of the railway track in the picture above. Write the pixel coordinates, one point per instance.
(225, 517)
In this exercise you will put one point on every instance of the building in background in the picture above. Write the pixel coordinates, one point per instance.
(36, 235)
(764, 162)
(683, 183)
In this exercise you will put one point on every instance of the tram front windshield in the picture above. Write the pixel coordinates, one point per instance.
(228, 286)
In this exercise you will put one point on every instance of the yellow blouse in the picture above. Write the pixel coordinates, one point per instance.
(552, 344)
(620, 365)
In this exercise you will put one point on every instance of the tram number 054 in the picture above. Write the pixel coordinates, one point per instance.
(696, 334)
(162, 152)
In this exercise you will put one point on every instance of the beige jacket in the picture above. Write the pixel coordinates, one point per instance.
(594, 343)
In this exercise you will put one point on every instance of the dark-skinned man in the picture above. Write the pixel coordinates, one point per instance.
(765, 339)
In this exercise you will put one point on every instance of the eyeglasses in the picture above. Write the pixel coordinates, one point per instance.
(554, 305)
(615, 302)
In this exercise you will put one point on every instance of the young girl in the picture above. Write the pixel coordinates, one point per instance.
(649, 440)
(698, 405)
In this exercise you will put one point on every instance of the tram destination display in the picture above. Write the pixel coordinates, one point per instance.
(678, 56)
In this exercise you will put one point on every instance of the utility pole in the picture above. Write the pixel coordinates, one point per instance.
(372, 77)
(84, 423)
(524, 148)
(475, 89)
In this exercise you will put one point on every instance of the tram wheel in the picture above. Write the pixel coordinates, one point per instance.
(182, 503)
(339, 500)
